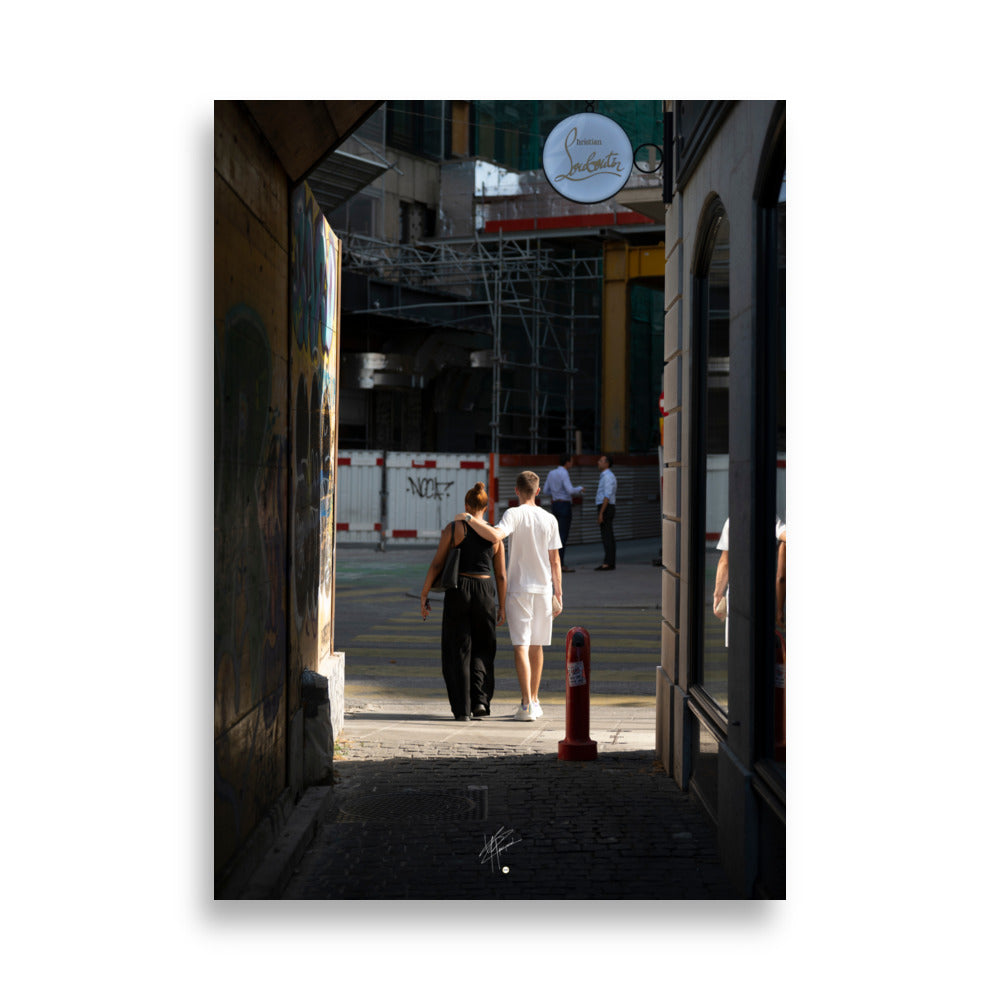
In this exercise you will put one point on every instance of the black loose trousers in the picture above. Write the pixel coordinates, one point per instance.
(469, 643)
(608, 535)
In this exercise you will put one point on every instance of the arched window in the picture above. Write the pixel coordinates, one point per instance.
(710, 358)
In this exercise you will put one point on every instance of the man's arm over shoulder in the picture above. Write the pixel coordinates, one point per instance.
(487, 531)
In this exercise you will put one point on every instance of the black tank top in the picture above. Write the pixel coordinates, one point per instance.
(475, 554)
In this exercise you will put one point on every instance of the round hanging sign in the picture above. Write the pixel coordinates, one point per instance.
(587, 158)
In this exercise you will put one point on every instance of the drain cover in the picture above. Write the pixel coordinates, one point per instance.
(406, 805)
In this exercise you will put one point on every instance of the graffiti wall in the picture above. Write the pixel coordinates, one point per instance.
(315, 310)
(251, 482)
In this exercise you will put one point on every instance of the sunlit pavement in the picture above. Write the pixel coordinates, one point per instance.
(391, 652)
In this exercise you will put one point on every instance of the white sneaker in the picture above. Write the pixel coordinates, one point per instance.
(536, 710)
(524, 714)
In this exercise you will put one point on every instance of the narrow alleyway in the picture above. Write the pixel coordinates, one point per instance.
(424, 807)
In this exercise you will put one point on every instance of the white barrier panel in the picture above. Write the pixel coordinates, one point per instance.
(426, 491)
(716, 496)
(402, 498)
(359, 500)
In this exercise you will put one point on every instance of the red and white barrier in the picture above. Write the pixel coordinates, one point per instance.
(402, 498)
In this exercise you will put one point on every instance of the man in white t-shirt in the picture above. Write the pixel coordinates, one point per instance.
(722, 576)
(534, 575)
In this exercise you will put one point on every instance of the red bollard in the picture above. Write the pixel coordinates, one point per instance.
(578, 745)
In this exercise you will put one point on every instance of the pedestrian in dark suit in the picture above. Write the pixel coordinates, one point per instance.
(562, 491)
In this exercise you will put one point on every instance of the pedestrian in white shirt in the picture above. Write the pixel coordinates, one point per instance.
(534, 576)
(720, 606)
(607, 495)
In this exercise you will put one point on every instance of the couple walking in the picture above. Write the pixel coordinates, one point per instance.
(529, 595)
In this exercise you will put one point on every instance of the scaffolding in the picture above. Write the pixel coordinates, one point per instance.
(529, 293)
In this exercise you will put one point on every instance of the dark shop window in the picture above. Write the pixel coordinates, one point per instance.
(771, 653)
(711, 295)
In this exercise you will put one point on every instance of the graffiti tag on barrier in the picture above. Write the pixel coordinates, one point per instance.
(429, 489)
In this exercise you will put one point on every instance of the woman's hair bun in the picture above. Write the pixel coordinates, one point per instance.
(477, 497)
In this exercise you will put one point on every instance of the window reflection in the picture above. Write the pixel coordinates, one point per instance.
(705, 767)
(780, 355)
(779, 409)
(714, 661)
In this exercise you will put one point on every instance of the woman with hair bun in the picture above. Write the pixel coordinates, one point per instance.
(470, 618)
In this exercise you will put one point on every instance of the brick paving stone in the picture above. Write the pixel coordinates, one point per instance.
(584, 831)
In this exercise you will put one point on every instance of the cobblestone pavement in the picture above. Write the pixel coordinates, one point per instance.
(427, 808)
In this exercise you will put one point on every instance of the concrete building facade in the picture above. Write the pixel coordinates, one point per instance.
(720, 685)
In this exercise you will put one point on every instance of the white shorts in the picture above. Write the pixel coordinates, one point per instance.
(529, 618)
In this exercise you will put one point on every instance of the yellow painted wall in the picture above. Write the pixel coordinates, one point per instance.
(622, 264)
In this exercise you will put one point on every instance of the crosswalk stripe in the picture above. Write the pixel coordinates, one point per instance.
(409, 634)
(606, 614)
(413, 672)
(373, 691)
(356, 661)
(414, 630)
(376, 646)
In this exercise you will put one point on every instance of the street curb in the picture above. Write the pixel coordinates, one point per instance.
(275, 871)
